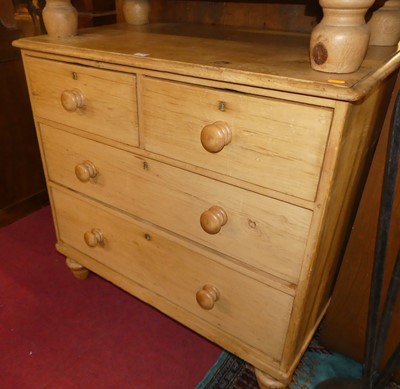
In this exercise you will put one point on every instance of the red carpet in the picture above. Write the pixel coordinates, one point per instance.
(60, 333)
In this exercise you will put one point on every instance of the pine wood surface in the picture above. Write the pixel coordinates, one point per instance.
(263, 59)
(175, 199)
(340, 40)
(100, 111)
(249, 237)
(333, 218)
(177, 274)
(261, 131)
(344, 328)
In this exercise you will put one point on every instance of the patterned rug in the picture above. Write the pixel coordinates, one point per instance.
(316, 366)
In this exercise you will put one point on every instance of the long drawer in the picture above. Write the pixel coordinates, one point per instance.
(98, 101)
(271, 143)
(247, 309)
(264, 233)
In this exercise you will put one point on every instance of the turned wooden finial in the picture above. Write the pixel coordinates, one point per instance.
(136, 12)
(339, 42)
(385, 24)
(60, 18)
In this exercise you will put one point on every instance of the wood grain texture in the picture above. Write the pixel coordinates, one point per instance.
(60, 18)
(385, 24)
(108, 106)
(143, 256)
(263, 233)
(333, 218)
(227, 228)
(268, 143)
(345, 324)
(272, 60)
(338, 44)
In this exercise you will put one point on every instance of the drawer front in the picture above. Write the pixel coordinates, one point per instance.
(271, 143)
(247, 309)
(265, 233)
(98, 101)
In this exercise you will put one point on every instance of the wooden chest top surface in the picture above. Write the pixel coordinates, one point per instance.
(274, 60)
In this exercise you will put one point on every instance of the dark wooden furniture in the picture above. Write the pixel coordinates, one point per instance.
(345, 324)
(95, 12)
(90, 12)
(22, 184)
(288, 15)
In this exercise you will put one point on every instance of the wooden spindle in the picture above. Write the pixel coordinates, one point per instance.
(339, 42)
(60, 18)
(385, 24)
(136, 12)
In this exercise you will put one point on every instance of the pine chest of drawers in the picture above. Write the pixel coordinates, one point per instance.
(207, 171)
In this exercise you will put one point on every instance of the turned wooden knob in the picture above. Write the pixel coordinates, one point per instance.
(214, 137)
(85, 171)
(72, 99)
(93, 238)
(207, 296)
(212, 220)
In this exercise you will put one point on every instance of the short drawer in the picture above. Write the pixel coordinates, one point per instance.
(271, 143)
(262, 232)
(249, 310)
(98, 101)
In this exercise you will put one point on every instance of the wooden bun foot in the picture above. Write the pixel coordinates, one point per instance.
(79, 272)
(265, 381)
